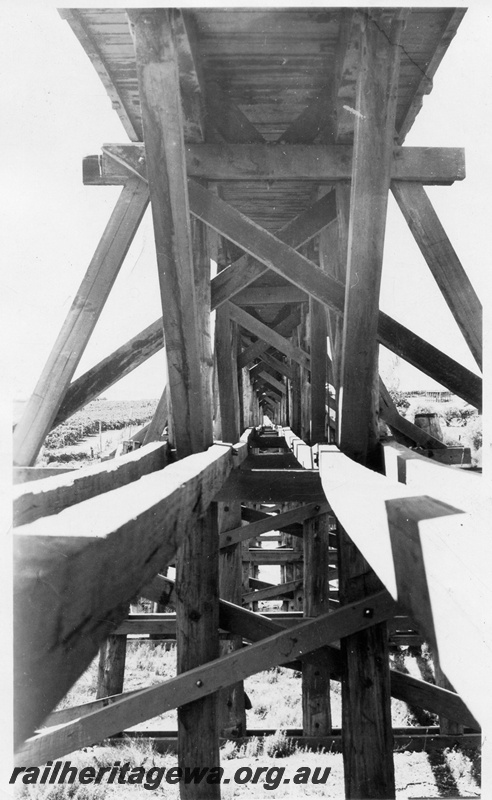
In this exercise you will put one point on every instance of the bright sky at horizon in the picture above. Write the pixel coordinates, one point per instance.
(59, 112)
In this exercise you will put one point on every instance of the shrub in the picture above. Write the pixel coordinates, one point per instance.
(278, 745)
(458, 415)
(474, 434)
(400, 400)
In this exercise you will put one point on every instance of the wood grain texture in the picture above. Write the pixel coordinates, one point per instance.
(86, 308)
(307, 276)
(391, 333)
(280, 648)
(99, 552)
(301, 162)
(295, 233)
(377, 89)
(319, 371)
(272, 522)
(316, 705)
(159, 90)
(254, 627)
(232, 712)
(52, 494)
(197, 639)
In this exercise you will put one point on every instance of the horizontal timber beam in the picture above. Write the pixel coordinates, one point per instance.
(133, 532)
(414, 543)
(201, 681)
(272, 522)
(426, 475)
(268, 295)
(273, 485)
(236, 162)
(51, 495)
(304, 274)
(273, 592)
(254, 627)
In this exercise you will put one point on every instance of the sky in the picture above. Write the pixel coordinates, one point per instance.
(58, 112)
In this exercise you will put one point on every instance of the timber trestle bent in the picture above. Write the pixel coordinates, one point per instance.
(266, 142)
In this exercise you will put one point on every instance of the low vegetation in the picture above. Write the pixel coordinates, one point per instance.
(276, 706)
(101, 415)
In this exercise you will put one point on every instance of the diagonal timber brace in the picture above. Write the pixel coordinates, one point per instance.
(201, 681)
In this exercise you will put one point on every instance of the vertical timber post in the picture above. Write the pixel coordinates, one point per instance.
(183, 262)
(316, 707)
(232, 715)
(111, 667)
(367, 739)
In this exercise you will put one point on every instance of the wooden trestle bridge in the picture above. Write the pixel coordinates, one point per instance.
(266, 142)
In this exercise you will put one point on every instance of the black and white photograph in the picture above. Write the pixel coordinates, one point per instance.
(246, 287)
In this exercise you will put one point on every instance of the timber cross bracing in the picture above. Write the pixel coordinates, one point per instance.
(266, 143)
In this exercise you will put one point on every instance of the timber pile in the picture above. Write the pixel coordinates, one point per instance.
(285, 191)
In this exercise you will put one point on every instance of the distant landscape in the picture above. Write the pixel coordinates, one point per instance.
(93, 431)
(98, 428)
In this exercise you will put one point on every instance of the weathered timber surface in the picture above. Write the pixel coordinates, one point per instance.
(236, 162)
(414, 544)
(376, 102)
(392, 334)
(197, 638)
(429, 360)
(111, 667)
(100, 553)
(254, 627)
(304, 273)
(110, 370)
(270, 336)
(278, 649)
(28, 474)
(258, 485)
(53, 494)
(86, 308)
(296, 233)
(272, 522)
(316, 703)
(159, 92)
(272, 592)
